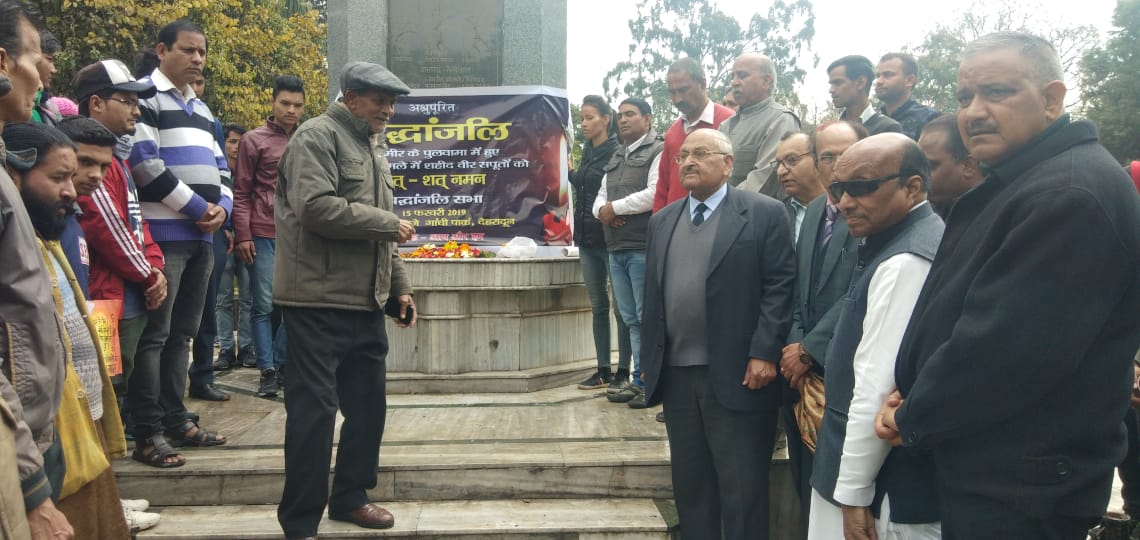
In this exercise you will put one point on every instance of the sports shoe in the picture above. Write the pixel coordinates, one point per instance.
(618, 381)
(268, 384)
(626, 394)
(247, 357)
(140, 521)
(600, 379)
(226, 360)
(138, 505)
(638, 401)
(281, 378)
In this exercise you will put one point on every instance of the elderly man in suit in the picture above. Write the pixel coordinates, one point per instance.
(1016, 367)
(825, 259)
(718, 305)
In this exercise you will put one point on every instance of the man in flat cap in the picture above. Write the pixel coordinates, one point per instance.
(337, 266)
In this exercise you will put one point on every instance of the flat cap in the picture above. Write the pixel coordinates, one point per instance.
(366, 75)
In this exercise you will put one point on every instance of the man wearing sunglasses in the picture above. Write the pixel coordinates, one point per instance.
(880, 188)
(718, 304)
(1014, 373)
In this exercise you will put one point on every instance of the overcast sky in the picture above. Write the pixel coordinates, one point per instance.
(598, 32)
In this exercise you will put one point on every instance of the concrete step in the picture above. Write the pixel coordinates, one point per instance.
(561, 519)
(565, 469)
(245, 380)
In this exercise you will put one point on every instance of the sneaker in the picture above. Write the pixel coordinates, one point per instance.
(619, 380)
(638, 401)
(660, 416)
(268, 385)
(247, 357)
(281, 379)
(626, 394)
(600, 379)
(138, 505)
(140, 521)
(226, 360)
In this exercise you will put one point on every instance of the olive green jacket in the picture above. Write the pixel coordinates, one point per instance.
(336, 232)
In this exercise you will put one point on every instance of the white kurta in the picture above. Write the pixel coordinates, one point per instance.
(891, 296)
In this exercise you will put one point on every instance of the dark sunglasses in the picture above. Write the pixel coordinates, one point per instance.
(857, 188)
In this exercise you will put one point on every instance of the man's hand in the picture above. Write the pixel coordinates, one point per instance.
(213, 219)
(1135, 386)
(156, 294)
(405, 232)
(759, 373)
(246, 251)
(885, 426)
(229, 241)
(791, 367)
(406, 302)
(606, 214)
(48, 523)
(858, 523)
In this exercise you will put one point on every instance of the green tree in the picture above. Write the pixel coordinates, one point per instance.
(940, 52)
(250, 43)
(1111, 84)
(665, 30)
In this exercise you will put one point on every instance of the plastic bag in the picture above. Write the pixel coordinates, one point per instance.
(519, 248)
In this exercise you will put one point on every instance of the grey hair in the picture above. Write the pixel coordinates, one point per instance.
(768, 67)
(1044, 64)
(723, 144)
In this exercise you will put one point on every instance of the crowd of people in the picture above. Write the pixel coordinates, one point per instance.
(941, 310)
(124, 197)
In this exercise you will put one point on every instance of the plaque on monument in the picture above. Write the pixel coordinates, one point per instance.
(446, 43)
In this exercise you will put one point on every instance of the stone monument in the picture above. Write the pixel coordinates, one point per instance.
(488, 325)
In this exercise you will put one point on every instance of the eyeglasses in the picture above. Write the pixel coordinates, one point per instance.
(857, 188)
(788, 162)
(130, 103)
(698, 154)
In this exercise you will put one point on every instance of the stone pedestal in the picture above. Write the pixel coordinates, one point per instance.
(485, 320)
(528, 44)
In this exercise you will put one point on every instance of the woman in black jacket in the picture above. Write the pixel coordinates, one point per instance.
(587, 179)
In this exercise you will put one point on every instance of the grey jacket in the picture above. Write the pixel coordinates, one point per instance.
(31, 341)
(755, 132)
(336, 233)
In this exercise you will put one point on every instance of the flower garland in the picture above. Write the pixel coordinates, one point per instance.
(449, 250)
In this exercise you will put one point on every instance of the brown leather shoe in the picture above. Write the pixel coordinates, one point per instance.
(369, 516)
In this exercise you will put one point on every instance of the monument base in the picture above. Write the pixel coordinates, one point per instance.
(506, 325)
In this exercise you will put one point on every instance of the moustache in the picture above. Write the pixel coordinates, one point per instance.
(979, 128)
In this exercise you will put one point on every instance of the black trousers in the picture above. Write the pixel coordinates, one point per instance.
(334, 357)
(969, 517)
(800, 459)
(720, 459)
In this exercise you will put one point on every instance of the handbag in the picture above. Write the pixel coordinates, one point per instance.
(82, 452)
(809, 409)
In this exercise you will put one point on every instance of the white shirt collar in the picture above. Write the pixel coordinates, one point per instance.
(707, 116)
(712, 202)
(163, 84)
(636, 143)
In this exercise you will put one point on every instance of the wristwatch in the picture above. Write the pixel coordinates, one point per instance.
(805, 358)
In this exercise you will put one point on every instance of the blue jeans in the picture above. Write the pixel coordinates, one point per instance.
(595, 271)
(225, 305)
(270, 354)
(627, 271)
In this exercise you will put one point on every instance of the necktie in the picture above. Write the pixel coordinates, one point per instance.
(828, 225)
(700, 215)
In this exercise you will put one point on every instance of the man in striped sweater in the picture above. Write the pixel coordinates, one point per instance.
(178, 168)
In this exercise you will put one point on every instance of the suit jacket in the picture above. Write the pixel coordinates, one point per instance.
(815, 315)
(1017, 363)
(751, 272)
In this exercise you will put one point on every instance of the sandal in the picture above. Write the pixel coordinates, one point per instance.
(154, 451)
(189, 434)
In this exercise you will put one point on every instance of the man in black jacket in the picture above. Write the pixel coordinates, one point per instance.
(1016, 367)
